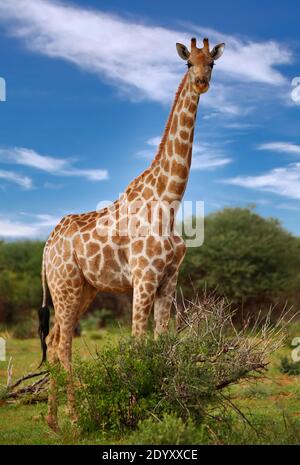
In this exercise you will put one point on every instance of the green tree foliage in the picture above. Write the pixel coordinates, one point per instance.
(20, 286)
(245, 257)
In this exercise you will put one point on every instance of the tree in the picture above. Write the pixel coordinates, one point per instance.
(20, 286)
(245, 257)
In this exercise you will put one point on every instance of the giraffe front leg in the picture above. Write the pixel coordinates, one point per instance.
(163, 303)
(143, 299)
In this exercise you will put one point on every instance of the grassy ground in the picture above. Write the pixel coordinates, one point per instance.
(275, 401)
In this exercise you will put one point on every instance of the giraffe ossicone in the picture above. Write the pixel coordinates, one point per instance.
(131, 245)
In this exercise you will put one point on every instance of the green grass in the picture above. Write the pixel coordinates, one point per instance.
(273, 403)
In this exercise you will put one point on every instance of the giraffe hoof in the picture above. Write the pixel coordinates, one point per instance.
(52, 423)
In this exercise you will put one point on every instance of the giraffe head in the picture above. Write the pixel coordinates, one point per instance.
(200, 62)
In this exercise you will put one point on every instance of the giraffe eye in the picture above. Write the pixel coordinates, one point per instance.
(189, 65)
(212, 64)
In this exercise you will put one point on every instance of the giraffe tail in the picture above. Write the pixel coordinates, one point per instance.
(44, 314)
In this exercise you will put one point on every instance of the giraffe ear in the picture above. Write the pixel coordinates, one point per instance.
(182, 51)
(217, 51)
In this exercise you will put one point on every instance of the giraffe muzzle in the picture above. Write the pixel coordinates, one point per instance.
(201, 85)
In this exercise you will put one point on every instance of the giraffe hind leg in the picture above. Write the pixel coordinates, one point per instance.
(53, 341)
(67, 300)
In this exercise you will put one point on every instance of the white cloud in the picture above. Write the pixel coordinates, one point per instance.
(138, 58)
(150, 151)
(43, 220)
(19, 179)
(208, 157)
(11, 229)
(38, 226)
(56, 166)
(281, 147)
(282, 181)
(205, 156)
(287, 206)
(27, 157)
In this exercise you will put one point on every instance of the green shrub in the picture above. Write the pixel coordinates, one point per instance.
(170, 430)
(95, 335)
(258, 391)
(288, 367)
(97, 319)
(182, 374)
(25, 329)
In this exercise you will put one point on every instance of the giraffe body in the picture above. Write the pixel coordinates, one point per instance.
(131, 245)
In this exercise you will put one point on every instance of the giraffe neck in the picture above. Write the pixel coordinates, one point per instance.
(167, 177)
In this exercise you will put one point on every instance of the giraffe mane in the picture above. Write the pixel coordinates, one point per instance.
(169, 121)
(162, 144)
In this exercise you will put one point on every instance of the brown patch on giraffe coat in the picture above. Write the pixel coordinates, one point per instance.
(142, 262)
(189, 122)
(177, 239)
(166, 165)
(121, 240)
(81, 223)
(186, 121)
(184, 135)
(96, 262)
(161, 183)
(150, 276)
(179, 170)
(138, 316)
(138, 273)
(182, 119)
(92, 248)
(66, 249)
(174, 124)
(149, 287)
(187, 102)
(167, 245)
(57, 261)
(149, 178)
(181, 148)
(156, 171)
(170, 148)
(137, 247)
(52, 254)
(176, 188)
(180, 252)
(108, 253)
(158, 264)
(147, 193)
(132, 195)
(170, 256)
(192, 107)
(153, 247)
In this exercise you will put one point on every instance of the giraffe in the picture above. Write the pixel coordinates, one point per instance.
(114, 249)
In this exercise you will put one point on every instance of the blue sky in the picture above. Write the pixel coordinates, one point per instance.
(89, 88)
